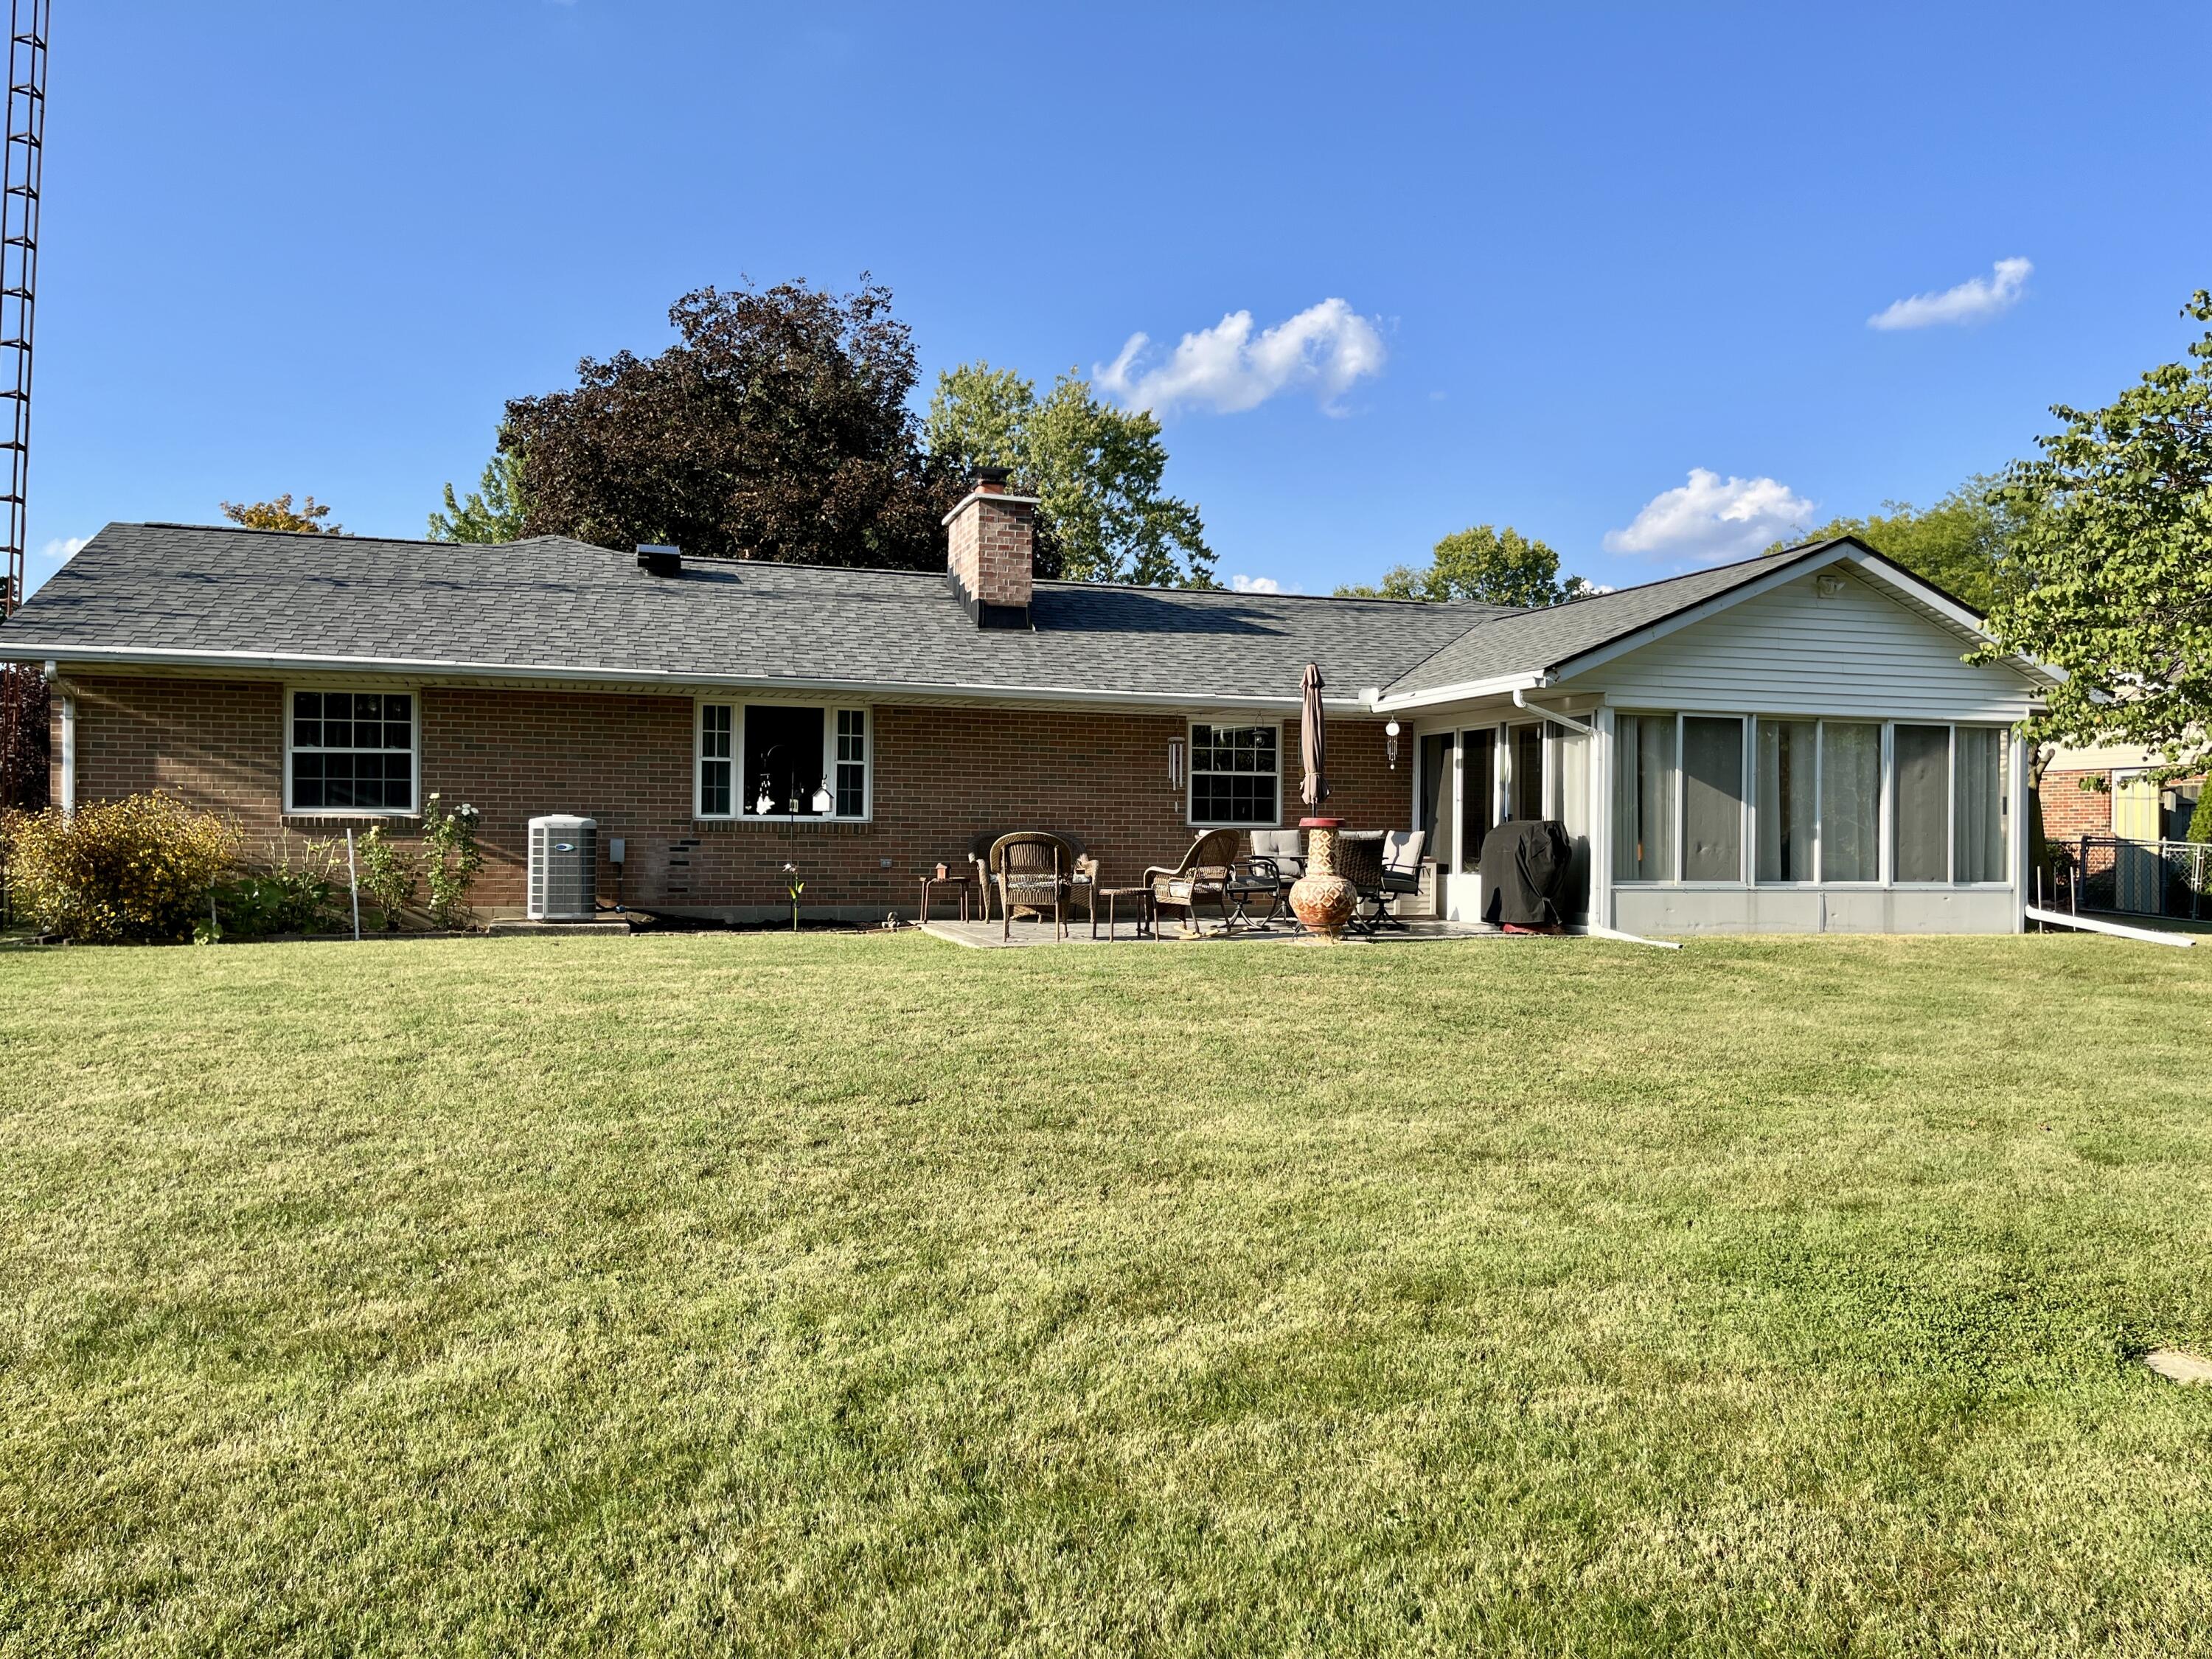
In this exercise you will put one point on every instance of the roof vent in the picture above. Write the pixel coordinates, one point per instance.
(660, 558)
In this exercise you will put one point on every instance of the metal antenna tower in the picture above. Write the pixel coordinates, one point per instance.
(24, 163)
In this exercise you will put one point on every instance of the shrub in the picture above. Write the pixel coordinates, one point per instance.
(300, 890)
(140, 868)
(450, 859)
(2200, 821)
(387, 875)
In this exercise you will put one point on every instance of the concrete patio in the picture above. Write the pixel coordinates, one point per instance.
(990, 935)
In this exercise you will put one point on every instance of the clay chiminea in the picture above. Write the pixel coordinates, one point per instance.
(1322, 898)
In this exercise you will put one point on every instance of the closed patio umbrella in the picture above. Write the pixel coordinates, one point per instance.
(1313, 742)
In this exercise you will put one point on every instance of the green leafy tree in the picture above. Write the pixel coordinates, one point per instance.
(1094, 469)
(2200, 821)
(493, 512)
(2112, 564)
(1491, 567)
(775, 428)
(280, 514)
(1959, 544)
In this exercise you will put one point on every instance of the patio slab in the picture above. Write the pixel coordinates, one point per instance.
(989, 935)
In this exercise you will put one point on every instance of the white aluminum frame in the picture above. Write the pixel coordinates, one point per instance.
(1886, 807)
(740, 708)
(413, 695)
(1190, 771)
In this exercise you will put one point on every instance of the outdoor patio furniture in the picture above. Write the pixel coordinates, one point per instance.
(945, 876)
(1280, 853)
(1359, 861)
(1252, 881)
(1202, 876)
(1400, 876)
(1139, 899)
(979, 859)
(1032, 870)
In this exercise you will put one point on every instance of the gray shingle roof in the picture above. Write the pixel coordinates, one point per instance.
(1534, 641)
(551, 603)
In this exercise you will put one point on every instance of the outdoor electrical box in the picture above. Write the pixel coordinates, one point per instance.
(565, 868)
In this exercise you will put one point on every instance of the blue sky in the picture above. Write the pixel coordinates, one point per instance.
(1603, 274)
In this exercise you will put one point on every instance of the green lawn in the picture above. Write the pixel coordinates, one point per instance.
(720, 1293)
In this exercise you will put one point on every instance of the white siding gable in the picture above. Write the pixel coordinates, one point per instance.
(1790, 651)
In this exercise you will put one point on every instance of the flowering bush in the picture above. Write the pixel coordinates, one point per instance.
(140, 868)
(451, 858)
(387, 875)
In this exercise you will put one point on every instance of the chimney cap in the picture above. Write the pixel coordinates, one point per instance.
(989, 478)
(661, 558)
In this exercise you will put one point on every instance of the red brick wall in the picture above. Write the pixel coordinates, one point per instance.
(2070, 812)
(987, 550)
(941, 775)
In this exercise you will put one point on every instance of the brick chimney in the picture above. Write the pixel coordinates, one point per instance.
(987, 551)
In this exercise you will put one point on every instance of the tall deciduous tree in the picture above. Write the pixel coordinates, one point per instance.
(1094, 469)
(2113, 557)
(1494, 567)
(493, 512)
(775, 428)
(1959, 544)
(280, 514)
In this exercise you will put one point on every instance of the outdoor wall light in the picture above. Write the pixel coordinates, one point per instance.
(1390, 732)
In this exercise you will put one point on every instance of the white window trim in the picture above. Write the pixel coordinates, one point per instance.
(1190, 771)
(1885, 827)
(413, 695)
(741, 707)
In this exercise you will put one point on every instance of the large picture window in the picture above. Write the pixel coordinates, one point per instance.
(779, 761)
(1235, 776)
(350, 751)
(1829, 801)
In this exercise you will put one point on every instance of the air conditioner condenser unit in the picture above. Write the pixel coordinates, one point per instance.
(565, 868)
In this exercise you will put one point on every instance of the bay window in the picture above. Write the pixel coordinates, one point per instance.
(1832, 802)
(779, 761)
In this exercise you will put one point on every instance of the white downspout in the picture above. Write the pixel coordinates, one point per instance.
(52, 678)
(1521, 702)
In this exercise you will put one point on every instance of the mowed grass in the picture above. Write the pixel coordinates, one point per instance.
(753, 1294)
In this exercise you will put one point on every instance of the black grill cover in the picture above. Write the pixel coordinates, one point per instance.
(1524, 864)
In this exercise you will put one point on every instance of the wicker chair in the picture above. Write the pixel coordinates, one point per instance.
(1203, 875)
(1033, 869)
(1083, 877)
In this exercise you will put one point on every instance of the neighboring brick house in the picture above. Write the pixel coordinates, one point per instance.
(2109, 790)
(722, 719)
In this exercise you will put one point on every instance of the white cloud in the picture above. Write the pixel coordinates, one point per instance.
(1227, 368)
(1976, 299)
(1254, 585)
(1711, 519)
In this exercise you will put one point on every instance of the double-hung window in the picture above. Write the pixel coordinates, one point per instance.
(761, 760)
(1235, 776)
(350, 752)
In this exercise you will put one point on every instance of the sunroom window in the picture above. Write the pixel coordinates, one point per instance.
(1820, 799)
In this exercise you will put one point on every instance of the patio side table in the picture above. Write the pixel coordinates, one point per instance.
(956, 879)
(1113, 896)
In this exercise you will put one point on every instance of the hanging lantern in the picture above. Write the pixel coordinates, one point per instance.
(1390, 732)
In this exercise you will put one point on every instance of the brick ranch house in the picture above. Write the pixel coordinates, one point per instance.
(1790, 743)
